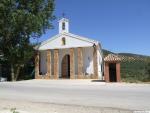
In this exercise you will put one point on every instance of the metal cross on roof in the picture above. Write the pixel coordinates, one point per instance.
(63, 15)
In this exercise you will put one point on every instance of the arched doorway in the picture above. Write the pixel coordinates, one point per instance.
(65, 66)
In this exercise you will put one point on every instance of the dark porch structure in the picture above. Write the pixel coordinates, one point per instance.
(112, 68)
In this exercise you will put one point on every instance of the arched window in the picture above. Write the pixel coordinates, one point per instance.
(63, 26)
(63, 41)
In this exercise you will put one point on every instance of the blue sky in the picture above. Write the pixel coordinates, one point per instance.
(119, 25)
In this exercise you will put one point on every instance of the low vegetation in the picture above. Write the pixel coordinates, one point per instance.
(13, 110)
(135, 71)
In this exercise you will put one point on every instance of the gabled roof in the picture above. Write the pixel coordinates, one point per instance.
(82, 38)
(69, 35)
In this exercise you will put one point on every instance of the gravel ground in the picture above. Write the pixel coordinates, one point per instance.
(34, 107)
(73, 96)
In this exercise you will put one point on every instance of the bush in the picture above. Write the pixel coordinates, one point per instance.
(135, 71)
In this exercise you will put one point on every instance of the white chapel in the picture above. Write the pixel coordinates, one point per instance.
(68, 56)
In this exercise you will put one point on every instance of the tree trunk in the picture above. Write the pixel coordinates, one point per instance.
(12, 73)
(17, 73)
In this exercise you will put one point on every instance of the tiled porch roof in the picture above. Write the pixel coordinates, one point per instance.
(112, 58)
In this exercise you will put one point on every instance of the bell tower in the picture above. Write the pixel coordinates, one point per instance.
(63, 25)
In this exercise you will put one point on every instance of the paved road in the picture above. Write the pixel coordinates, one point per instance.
(79, 92)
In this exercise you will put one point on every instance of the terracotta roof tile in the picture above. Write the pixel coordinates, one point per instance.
(112, 58)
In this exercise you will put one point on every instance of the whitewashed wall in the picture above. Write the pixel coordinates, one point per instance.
(71, 42)
(43, 66)
(100, 62)
(87, 57)
(87, 61)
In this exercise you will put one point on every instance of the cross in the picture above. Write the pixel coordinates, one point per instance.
(63, 15)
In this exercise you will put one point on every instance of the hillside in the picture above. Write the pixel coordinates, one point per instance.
(127, 56)
(134, 67)
(106, 52)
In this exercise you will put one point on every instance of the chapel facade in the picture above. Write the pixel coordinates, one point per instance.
(69, 56)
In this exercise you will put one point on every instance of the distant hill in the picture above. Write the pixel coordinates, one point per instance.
(134, 67)
(133, 55)
(106, 52)
(127, 56)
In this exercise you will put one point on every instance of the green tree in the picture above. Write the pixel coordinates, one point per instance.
(19, 21)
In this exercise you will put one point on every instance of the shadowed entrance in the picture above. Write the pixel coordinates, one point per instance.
(65, 66)
(112, 72)
(112, 68)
